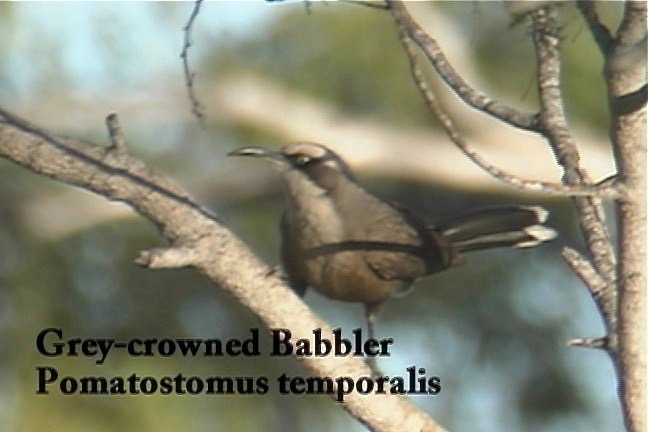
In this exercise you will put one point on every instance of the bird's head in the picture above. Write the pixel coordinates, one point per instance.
(304, 160)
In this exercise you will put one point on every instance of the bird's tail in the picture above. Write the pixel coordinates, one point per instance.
(510, 226)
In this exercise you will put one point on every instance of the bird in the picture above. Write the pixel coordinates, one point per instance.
(349, 245)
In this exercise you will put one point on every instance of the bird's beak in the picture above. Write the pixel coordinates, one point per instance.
(262, 152)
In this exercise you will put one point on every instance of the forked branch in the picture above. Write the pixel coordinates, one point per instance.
(452, 78)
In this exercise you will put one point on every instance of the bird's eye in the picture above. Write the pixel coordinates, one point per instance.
(302, 160)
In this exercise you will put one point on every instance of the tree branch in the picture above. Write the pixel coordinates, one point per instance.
(196, 107)
(628, 135)
(467, 93)
(600, 343)
(601, 34)
(607, 189)
(597, 287)
(546, 39)
(199, 240)
(629, 102)
(115, 132)
(374, 4)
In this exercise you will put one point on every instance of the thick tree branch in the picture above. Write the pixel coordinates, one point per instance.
(629, 102)
(467, 93)
(199, 240)
(628, 135)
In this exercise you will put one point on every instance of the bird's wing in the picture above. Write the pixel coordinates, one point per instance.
(423, 249)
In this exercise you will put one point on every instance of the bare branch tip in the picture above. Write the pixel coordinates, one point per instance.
(196, 106)
(172, 257)
(115, 133)
(144, 258)
(597, 343)
(369, 3)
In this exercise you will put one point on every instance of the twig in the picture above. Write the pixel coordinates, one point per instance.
(597, 287)
(601, 34)
(115, 132)
(196, 107)
(368, 3)
(601, 343)
(467, 93)
(606, 190)
(588, 274)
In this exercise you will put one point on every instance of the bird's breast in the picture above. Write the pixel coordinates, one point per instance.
(347, 247)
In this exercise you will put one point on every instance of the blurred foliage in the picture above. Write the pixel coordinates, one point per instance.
(368, 74)
(494, 329)
(347, 59)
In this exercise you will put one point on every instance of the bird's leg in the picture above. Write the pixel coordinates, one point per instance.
(371, 310)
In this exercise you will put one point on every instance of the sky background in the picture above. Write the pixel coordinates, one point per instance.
(130, 30)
